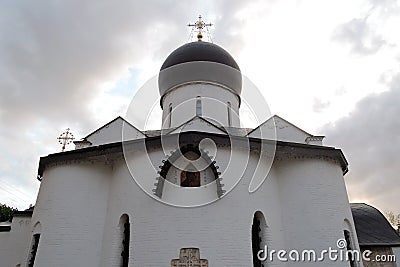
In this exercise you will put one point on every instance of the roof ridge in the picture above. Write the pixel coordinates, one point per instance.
(113, 120)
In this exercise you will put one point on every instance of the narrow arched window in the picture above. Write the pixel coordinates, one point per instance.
(259, 238)
(256, 240)
(349, 244)
(34, 248)
(229, 106)
(198, 106)
(125, 231)
(170, 116)
(34, 245)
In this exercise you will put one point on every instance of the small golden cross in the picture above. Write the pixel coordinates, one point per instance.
(65, 138)
(199, 27)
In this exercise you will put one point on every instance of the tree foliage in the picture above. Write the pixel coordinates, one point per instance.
(6, 212)
(393, 218)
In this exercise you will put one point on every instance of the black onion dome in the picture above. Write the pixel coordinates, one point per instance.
(199, 62)
(199, 51)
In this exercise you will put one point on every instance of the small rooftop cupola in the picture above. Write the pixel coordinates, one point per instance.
(200, 79)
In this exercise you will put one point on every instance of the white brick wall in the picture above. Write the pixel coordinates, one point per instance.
(304, 203)
(79, 205)
(214, 101)
(71, 207)
(14, 244)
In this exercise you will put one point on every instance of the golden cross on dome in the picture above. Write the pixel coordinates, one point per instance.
(199, 26)
(65, 138)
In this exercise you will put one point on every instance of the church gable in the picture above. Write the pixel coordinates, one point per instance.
(113, 132)
(285, 131)
(198, 124)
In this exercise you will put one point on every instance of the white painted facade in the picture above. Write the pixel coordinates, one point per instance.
(301, 205)
(285, 131)
(396, 253)
(215, 100)
(79, 205)
(14, 245)
(114, 131)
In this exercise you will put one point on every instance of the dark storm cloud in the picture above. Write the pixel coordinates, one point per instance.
(370, 139)
(370, 135)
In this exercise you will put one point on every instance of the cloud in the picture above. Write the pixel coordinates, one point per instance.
(366, 34)
(55, 58)
(360, 36)
(56, 55)
(385, 7)
(320, 105)
(370, 139)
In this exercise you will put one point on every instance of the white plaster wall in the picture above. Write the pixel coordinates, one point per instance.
(396, 252)
(172, 189)
(303, 200)
(5, 247)
(315, 204)
(214, 100)
(71, 208)
(221, 230)
(79, 206)
(14, 244)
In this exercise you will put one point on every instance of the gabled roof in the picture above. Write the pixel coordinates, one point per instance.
(274, 117)
(201, 119)
(285, 131)
(116, 130)
(152, 133)
(23, 213)
(282, 148)
(110, 122)
(372, 227)
(233, 131)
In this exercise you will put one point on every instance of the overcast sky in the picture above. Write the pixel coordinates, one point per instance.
(331, 68)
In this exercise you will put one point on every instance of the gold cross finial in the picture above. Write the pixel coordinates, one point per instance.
(65, 139)
(199, 26)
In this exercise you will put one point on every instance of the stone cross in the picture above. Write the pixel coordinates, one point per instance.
(189, 257)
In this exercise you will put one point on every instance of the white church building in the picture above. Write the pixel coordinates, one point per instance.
(201, 191)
